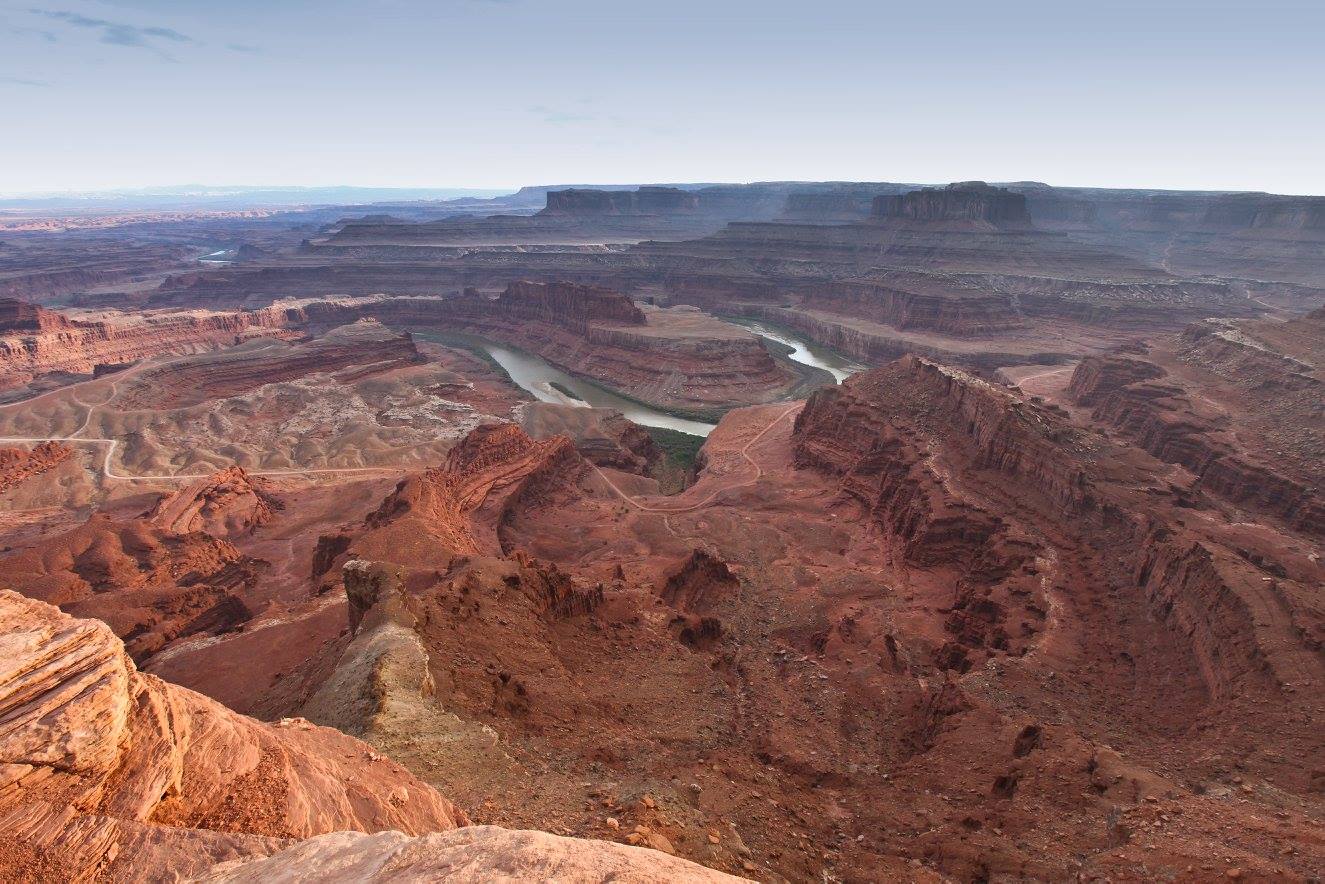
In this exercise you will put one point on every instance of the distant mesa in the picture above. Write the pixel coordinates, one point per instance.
(965, 201)
(644, 201)
(1265, 211)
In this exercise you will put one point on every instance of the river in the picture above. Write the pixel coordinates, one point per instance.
(803, 351)
(537, 376)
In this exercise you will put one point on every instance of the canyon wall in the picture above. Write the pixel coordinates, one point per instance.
(925, 450)
(1132, 395)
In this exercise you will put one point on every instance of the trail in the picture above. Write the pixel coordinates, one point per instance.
(1167, 255)
(1045, 374)
(744, 452)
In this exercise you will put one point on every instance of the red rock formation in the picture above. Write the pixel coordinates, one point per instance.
(107, 773)
(496, 468)
(699, 584)
(150, 585)
(112, 772)
(898, 436)
(20, 317)
(228, 503)
(18, 464)
(79, 347)
(355, 349)
(602, 436)
(1136, 397)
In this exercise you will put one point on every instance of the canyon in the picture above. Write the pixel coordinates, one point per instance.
(303, 577)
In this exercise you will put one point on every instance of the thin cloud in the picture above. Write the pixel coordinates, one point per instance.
(119, 33)
(243, 47)
(20, 81)
(560, 117)
(48, 36)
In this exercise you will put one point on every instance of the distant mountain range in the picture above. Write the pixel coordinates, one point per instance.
(184, 196)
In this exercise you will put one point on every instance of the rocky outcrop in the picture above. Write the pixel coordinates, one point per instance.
(152, 586)
(970, 201)
(601, 435)
(889, 462)
(110, 772)
(1097, 377)
(699, 585)
(924, 450)
(20, 464)
(107, 773)
(20, 317)
(575, 307)
(474, 853)
(228, 503)
(496, 468)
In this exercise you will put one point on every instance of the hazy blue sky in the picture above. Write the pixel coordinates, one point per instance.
(1165, 93)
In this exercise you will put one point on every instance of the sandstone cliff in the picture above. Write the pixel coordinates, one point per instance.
(1260, 448)
(79, 346)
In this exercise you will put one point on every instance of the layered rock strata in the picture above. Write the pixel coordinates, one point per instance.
(349, 352)
(109, 773)
(897, 436)
(677, 358)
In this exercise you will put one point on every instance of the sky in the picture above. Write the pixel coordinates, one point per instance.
(100, 94)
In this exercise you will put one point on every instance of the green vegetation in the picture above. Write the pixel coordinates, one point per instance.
(677, 468)
(460, 341)
(682, 449)
(565, 390)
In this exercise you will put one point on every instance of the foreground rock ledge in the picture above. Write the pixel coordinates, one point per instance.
(107, 773)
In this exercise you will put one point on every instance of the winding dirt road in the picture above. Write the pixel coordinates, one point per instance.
(110, 444)
(744, 452)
